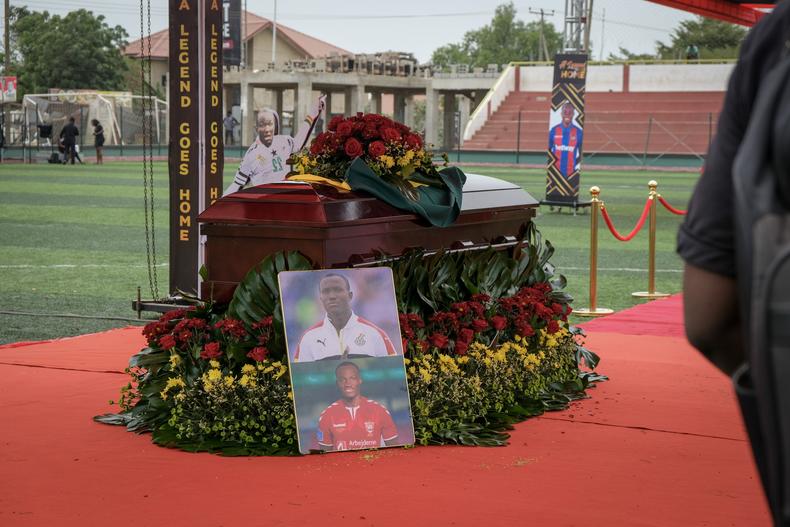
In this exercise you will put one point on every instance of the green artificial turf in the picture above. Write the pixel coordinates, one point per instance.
(73, 242)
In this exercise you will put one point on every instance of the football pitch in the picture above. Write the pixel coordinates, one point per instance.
(73, 245)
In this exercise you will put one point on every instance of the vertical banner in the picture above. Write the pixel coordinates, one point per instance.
(184, 151)
(213, 103)
(566, 129)
(231, 32)
(8, 88)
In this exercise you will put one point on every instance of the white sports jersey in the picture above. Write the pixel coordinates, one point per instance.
(358, 337)
(264, 164)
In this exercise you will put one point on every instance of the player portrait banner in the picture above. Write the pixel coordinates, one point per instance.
(215, 157)
(231, 32)
(346, 359)
(184, 151)
(566, 128)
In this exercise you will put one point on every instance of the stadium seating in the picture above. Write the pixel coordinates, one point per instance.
(636, 122)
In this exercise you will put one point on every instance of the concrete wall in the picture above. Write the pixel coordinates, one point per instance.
(260, 50)
(605, 78)
(643, 77)
(680, 77)
(536, 78)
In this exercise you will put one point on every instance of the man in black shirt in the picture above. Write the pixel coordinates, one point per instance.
(68, 136)
(714, 317)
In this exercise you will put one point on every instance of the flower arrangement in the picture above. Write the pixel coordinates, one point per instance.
(393, 151)
(486, 345)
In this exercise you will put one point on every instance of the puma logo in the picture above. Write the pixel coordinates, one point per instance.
(321, 341)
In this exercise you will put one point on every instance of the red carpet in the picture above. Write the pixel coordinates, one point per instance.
(661, 443)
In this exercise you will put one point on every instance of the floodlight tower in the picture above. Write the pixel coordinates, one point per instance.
(578, 16)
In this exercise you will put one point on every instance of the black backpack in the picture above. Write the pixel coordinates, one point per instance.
(761, 186)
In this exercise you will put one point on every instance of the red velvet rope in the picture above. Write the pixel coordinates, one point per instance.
(630, 235)
(670, 208)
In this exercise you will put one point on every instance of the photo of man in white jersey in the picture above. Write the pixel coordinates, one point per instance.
(265, 160)
(342, 333)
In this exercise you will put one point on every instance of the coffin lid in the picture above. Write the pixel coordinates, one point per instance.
(307, 205)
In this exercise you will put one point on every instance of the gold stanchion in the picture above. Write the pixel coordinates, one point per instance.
(651, 264)
(594, 310)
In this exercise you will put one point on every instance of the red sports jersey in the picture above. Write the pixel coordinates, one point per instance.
(350, 428)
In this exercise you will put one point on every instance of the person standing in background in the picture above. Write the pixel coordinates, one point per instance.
(98, 140)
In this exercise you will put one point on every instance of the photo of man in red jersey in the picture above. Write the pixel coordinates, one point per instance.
(354, 422)
(565, 142)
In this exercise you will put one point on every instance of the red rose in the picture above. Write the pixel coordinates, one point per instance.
(336, 120)
(211, 351)
(461, 347)
(466, 335)
(353, 148)
(377, 148)
(414, 141)
(553, 326)
(345, 128)
(370, 132)
(319, 144)
(439, 340)
(526, 331)
(389, 134)
(498, 322)
(479, 324)
(258, 354)
(167, 342)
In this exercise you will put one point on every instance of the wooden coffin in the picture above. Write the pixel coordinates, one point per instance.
(338, 229)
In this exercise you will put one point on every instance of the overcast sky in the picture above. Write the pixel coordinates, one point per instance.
(415, 26)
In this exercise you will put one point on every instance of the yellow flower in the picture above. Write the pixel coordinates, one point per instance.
(248, 369)
(291, 395)
(175, 360)
(229, 380)
(387, 161)
(214, 364)
(175, 381)
(245, 380)
(426, 376)
(214, 375)
(281, 371)
(462, 360)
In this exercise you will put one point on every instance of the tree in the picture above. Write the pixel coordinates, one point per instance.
(714, 38)
(75, 51)
(624, 54)
(504, 40)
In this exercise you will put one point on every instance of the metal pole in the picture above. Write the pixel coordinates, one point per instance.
(647, 140)
(587, 24)
(120, 126)
(7, 66)
(518, 138)
(594, 310)
(651, 253)
(274, 35)
(710, 128)
(241, 125)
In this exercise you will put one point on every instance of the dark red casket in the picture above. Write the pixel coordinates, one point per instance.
(340, 229)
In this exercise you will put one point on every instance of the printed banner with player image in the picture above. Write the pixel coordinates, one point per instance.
(346, 359)
(566, 129)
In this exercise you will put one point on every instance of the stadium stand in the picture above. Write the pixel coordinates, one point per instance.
(616, 122)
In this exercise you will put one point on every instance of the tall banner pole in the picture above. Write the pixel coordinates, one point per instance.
(214, 157)
(566, 130)
(184, 151)
(195, 159)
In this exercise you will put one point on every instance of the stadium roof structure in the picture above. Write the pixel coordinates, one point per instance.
(740, 12)
(310, 47)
